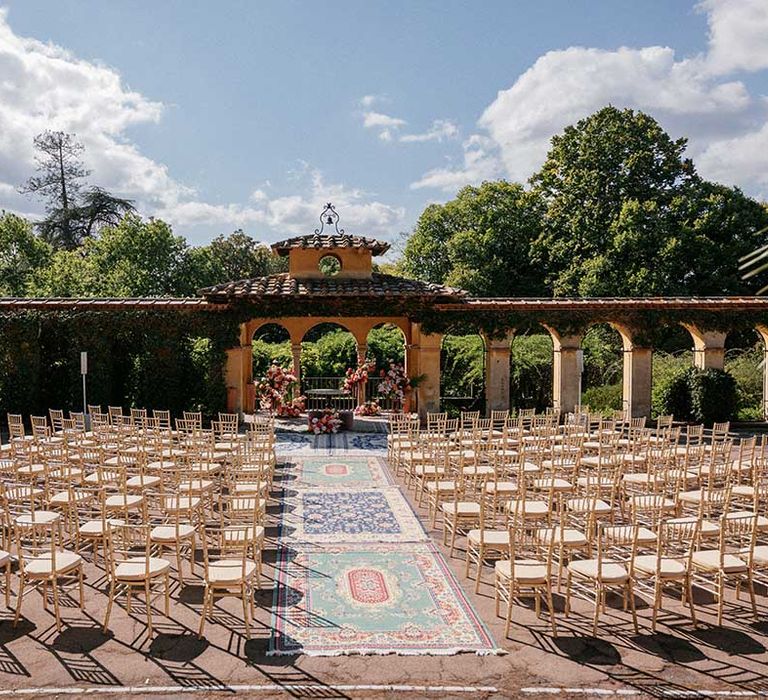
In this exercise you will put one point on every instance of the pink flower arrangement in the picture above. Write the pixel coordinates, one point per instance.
(328, 422)
(292, 409)
(275, 386)
(357, 376)
(369, 408)
(394, 383)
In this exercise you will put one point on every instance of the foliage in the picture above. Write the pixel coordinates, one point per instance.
(626, 214)
(603, 398)
(22, 253)
(479, 241)
(700, 396)
(265, 354)
(603, 358)
(71, 216)
(136, 358)
(461, 366)
(531, 371)
(330, 355)
(233, 257)
(745, 365)
(386, 344)
(713, 396)
(669, 393)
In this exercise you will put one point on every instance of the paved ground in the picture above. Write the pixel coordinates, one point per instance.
(677, 661)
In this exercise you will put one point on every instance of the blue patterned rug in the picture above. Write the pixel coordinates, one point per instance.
(366, 443)
(318, 516)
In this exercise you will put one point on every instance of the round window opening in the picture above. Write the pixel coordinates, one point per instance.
(330, 265)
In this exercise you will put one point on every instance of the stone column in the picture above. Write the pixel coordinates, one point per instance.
(708, 348)
(497, 353)
(637, 381)
(362, 351)
(235, 377)
(566, 376)
(428, 353)
(296, 353)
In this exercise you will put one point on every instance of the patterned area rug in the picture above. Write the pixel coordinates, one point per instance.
(366, 443)
(376, 599)
(331, 516)
(348, 472)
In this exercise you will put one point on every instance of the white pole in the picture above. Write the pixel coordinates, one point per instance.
(84, 372)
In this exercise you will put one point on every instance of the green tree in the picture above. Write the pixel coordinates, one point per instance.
(22, 253)
(72, 215)
(233, 257)
(480, 241)
(134, 258)
(626, 214)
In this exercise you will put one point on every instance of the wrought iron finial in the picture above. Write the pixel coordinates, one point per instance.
(329, 217)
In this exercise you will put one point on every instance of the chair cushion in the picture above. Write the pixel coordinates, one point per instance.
(586, 505)
(667, 567)
(461, 507)
(43, 564)
(644, 535)
(529, 507)
(709, 560)
(569, 537)
(167, 533)
(492, 537)
(527, 571)
(230, 571)
(96, 528)
(134, 569)
(610, 572)
(40, 517)
(124, 500)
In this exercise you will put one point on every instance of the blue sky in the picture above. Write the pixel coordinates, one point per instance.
(252, 114)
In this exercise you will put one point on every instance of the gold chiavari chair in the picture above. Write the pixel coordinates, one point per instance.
(525, 573)
(593, 578)
(132, 567)
(228, 570)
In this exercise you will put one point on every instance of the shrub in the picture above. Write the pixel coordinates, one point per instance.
(603, 398)
(462, 364)
(531, 371)
(713, 395)
(701, 396)
(746, 368)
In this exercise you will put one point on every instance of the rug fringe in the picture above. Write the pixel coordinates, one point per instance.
(388, 652)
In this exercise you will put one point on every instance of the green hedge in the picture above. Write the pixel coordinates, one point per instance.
(700, 396)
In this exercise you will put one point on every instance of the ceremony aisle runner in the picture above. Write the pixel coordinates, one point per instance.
(356, 571)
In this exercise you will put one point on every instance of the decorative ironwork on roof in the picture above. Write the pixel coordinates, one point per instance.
(336, 239)
(283, 285)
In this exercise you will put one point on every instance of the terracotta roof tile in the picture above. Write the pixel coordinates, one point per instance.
(329, 241)
(281, 285)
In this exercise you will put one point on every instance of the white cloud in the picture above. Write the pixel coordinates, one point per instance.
(372, 120)
(738, 35)
(440, 130)
(741, 160)
(481, 162)
(43, 86)
(296, 214)
(695, 97)
(368, 101)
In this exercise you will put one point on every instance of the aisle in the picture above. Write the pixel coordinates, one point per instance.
(356, 571)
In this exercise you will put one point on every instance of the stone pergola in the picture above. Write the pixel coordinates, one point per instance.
(332, 278)
(360, 298)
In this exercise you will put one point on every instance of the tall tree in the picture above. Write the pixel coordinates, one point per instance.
(479, 241)
(592, 170)
(72, 215)
(627, 214)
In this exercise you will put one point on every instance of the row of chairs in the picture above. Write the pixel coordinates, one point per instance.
(125, 493)
(594, 503)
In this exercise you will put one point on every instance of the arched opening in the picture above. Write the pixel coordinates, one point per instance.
(462, 372)
(327, 351)
(530, 373)
(271, 343)
(386, 347)
(744, 361)
(672, 355)
(603, 365)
